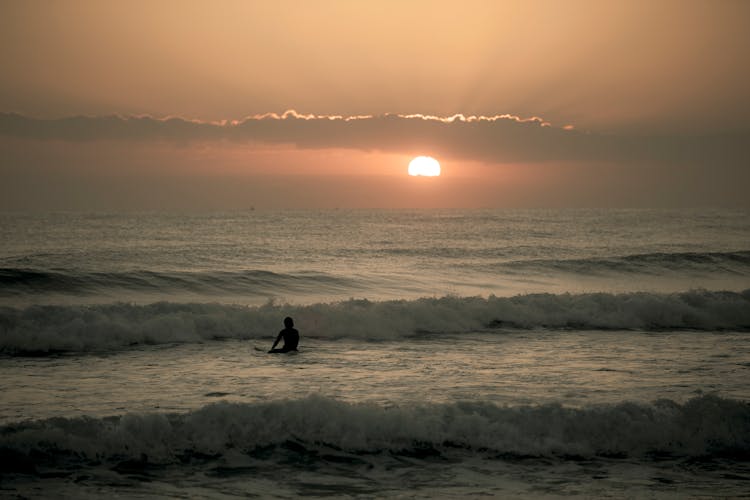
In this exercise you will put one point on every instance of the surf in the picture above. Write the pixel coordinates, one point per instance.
(43, 329)
(705, 426)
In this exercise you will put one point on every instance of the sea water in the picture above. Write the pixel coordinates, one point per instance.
(522, 353)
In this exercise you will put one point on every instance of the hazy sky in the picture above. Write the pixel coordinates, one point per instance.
(180, 105)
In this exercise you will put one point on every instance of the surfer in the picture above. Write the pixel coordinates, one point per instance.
(290, 336)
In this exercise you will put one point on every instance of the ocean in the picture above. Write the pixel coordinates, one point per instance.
(443, 353)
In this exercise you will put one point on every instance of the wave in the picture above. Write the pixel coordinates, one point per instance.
(732, 263)
(506, 258)
(44, 329)
(29, 281)
(706, 426)
(21, 281)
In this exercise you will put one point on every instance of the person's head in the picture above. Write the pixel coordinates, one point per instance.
(288, 322)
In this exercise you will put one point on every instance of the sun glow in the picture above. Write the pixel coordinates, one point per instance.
(424, 166)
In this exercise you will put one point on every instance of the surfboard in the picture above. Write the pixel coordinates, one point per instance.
(256, 348)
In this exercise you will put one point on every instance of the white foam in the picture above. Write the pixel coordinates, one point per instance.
(704, 426)
(114, 326)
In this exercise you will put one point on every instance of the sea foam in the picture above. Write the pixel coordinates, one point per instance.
(706, 426)
(51, 328)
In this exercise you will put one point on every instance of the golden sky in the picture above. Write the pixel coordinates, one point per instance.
(655, 94)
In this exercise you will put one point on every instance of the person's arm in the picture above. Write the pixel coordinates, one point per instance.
(278, 339)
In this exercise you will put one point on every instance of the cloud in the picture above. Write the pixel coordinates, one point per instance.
(492, 139)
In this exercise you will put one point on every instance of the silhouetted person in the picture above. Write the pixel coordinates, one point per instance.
(290, 336)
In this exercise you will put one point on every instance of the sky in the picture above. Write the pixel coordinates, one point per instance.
(222, 105)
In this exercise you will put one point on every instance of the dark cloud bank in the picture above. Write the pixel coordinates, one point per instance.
(498, 139)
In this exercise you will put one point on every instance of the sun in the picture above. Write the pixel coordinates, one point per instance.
(425, 166)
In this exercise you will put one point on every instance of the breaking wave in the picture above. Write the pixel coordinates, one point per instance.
(706, 426)
(42, 329)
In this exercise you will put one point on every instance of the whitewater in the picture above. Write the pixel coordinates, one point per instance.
(443, 353)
